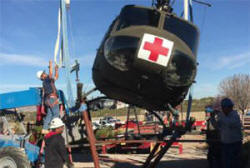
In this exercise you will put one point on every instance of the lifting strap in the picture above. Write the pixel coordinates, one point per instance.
(63, 50)
(56, 50)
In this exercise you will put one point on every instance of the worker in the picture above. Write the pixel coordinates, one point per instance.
(229, 125)
(55, 150)
(174, 115)
(213, 140)
(49, 95)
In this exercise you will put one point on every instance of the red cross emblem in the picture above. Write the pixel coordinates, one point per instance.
(155, 49)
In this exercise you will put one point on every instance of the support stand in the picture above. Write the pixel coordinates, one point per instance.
(157, 156)
(91, 137)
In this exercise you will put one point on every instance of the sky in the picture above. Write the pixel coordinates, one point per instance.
(28, 31)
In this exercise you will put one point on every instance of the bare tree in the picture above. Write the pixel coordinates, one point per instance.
(237, 87)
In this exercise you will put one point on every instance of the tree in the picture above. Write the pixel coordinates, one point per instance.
(237, 87)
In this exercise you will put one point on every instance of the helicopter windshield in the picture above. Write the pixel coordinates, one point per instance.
(120, 50)
(136, 16)
(185, 31)
(177, 73)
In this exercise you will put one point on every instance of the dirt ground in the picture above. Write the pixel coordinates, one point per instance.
(193, 156)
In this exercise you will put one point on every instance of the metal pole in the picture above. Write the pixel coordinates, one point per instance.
(162, 152)
(186, 17)
(151, 156)
(92, 140)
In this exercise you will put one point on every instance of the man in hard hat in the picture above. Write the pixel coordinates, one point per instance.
(229, 125)
(55, 150)
(50, 95)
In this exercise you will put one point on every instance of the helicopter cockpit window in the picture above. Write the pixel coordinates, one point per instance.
(185, 31)
(119, 51)
(177, 72)
(134, 16)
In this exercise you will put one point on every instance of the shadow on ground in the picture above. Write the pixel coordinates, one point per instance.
(195, 163)
(84, 156)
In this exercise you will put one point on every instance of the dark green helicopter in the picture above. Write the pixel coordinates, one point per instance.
(147, 57)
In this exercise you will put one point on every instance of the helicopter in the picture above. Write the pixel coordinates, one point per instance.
(147, 57)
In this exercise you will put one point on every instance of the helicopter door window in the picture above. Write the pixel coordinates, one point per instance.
(134, 16)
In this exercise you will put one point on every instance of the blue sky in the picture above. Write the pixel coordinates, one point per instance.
(28, 30)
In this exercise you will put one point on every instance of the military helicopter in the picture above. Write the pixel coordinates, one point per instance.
(147, 57)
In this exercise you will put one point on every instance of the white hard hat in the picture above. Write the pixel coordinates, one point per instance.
(56, 123)
(39, 74)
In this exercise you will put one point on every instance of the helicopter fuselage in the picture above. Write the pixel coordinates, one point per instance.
(147, 58)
